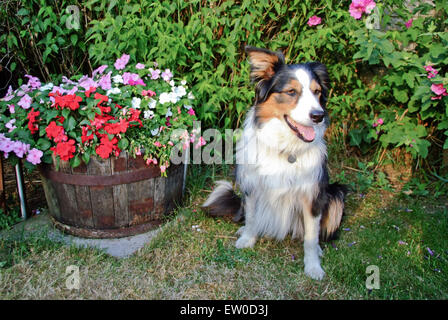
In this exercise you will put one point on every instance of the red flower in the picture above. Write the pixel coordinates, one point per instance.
(72, 101)
(60, 119)
(32, 117)
(101, 97)
(65, 150)
(135, 114)
(115, 128)
(107, 146)
(68, 101)
(84, 136)
(90, 91)
(56, 132)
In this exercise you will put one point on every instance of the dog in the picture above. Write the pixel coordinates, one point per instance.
(281, 160)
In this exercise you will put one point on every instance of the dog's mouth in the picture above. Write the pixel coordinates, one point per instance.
(305, 133)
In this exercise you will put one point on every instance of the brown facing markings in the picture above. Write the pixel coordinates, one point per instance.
(262, 64)
(315, 88)
(279, 103)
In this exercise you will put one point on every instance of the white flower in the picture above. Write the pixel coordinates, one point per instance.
(136, 103)
(168, 97)
(155, 132)
(152, 103)
(113, 91)
(187, 107)
(168, 113)
(190, 96)
(183, 82)
(172, 83)
(179, 91)
(148, 114)
(48, 86)
(117, 79)
(164, 97)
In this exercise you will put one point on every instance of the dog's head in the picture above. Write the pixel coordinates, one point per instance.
(291, 96)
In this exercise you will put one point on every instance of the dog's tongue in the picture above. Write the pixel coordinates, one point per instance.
(307, 132)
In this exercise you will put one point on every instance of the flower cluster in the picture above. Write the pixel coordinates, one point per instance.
(314, 21)
(358, 7)
(378, 122)
(120, 107)
(436, 88)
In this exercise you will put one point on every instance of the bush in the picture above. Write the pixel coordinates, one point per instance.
(381, 95)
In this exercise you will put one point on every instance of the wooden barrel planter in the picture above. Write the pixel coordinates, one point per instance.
(111, 198)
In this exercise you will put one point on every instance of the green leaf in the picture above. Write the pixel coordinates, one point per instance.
(123, 143)
(401, 95)
(86, 157)
(43, 144)
(71, 124)
(22, 12)
(74, 38)
(75, 161)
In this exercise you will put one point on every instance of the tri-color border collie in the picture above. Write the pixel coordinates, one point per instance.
(282, 160)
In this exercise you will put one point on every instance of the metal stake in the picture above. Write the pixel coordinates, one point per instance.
(20, 189)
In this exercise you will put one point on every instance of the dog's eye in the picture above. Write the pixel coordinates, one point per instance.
(317, 92)
(291, 92)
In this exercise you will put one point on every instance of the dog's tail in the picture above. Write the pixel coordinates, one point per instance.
(332, 214)
(223, 201)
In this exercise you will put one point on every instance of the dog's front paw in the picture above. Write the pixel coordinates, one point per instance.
(245, 242)
(314, 271)
(320, 252)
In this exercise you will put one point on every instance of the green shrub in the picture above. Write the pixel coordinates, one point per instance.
(376, 74)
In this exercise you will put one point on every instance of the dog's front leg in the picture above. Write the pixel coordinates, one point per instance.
(248, 234)
(311, 244)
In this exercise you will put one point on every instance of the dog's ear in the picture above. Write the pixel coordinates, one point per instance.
(263, 63)
(320, 70)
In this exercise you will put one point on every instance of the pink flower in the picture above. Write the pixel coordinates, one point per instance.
(6, 145)
(439, 90)
(157, 144)
(191, 112)
(20, 148)
(431, 71)
(34, 156)
(34, 82)
(380, 121)
(155, 74)
(10, 125)
(167, 75)
(374, 124)
(314, 21)
(201, 142)
(25, 102)
(99, 70)
(139, 66)
(148, 93)
(358, 7)
(104, 82)
(132, 79)
(8, 95)
(162, 169)
(11, 108)
(84, 82)
(408, 24)
(121, 62)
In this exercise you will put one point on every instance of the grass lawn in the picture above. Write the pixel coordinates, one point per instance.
(194, 257)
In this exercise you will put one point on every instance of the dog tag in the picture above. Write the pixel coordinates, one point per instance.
(291, 158)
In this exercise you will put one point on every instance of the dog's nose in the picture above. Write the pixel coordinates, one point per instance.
(317, 116)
